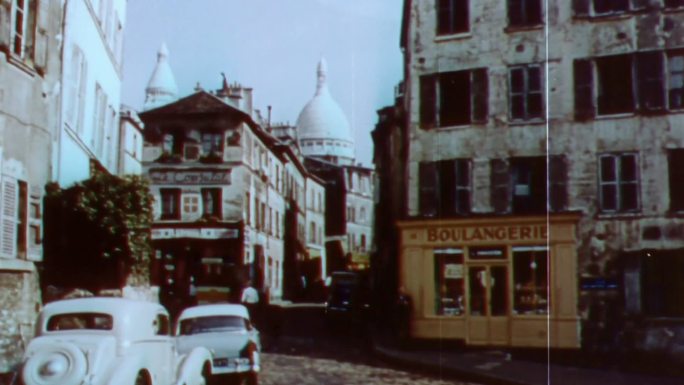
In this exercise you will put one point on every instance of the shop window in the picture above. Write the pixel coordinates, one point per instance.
(523, 13)
(676, 179)
(530, 271)
(212, 144)
(211, 202)
(452, 16)
(453, 98)
(24, 28)
(170, 202)
(445, 188)
(525, 94)
(190, 204)
(619, 182)
(450, 289)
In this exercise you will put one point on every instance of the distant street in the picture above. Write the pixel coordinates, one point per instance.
(306, 352)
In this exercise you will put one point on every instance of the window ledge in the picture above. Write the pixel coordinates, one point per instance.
(620, 215)
(532, 122)
(673, 9)
(675, 213)
(20, 64)
(453, 36)
(607, 16)
(524, 28)
(615, 116)
(16, 265)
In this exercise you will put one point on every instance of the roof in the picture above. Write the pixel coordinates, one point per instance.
(109, 305)
(161, 88)
(215, 309)
(322, 118)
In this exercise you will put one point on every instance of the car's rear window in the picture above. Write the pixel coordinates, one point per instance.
(211, 324)
(77, 321)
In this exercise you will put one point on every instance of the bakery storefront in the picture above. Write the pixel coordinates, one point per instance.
(499, 281)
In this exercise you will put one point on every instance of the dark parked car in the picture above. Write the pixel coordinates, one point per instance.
(348, 299)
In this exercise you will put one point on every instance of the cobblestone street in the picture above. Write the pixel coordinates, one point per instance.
(283, 369)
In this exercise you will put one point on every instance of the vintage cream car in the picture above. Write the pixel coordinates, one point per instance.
(226, 330)
(109, 341)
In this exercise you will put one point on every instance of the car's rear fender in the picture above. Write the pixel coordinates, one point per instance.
(191, 365)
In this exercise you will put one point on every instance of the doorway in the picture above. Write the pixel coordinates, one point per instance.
(488, 305)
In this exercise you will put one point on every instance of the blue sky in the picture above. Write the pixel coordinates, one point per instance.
(274, 47)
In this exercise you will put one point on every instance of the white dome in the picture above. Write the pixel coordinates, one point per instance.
(322, 127)
(162, 88)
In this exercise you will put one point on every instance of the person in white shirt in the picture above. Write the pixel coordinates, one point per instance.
(249, 295)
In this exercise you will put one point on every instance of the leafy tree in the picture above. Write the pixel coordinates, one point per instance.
(97, 233)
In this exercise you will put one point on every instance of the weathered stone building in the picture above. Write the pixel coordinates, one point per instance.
(30, 68)
(544, 175)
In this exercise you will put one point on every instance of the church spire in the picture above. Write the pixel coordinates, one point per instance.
(161, 88)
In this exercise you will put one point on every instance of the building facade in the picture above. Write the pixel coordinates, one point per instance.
(91, 87)
(326, 142)
(543, 176)
(30, 68)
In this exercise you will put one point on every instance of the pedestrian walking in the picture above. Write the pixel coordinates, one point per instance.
(250, 298)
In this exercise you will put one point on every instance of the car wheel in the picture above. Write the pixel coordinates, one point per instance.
(251, 378)
(142, 378)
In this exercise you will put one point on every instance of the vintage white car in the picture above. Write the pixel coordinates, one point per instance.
(225, 330)
(109, 341)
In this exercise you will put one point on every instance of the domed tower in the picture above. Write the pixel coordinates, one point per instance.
(322, 127)
(161, 88)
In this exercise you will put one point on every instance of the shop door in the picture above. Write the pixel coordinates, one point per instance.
(487, 318)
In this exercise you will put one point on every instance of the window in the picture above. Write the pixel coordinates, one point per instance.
(619, 182)
(452, 16)
(170, 202)
(604, 7)
(675, 87)
(312, 232)
(190, 204)
(453, 98)
(212, 143)
(11, 221)
(449, 283)
(211, 202)
(530, 268)
(615, 93)
(248, 210)
(444, 188)
(77, 70)
(676, 174)
(523, 13)
(676, 179)
(99, 117)
(528, 176)
(645, 82)
(23, 28)
(525, 94)
(674, 3)
(168, 144)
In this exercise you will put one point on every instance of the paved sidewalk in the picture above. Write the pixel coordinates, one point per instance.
(497, 367)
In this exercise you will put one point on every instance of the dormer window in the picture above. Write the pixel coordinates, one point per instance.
(167, 144)
(212, 143)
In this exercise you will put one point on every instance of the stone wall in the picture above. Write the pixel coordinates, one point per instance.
(19, 306)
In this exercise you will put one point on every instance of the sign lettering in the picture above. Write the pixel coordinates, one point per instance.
(190, 177)
(488, 233)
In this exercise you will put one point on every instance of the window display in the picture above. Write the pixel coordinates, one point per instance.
(530, 268)
(449, 272)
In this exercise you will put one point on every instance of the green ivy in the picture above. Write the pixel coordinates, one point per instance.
(98, 232)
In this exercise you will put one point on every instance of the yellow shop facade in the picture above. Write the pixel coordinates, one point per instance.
(493, 281)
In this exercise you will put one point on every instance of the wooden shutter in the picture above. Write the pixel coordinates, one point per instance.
(428, 185)
(480, 95)
(584, 94)
(41, 37)
(8, 234)
(580, 8)
(558, 177)
(5, 20)
(428, 100)
(650, 81)
(500, 186)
